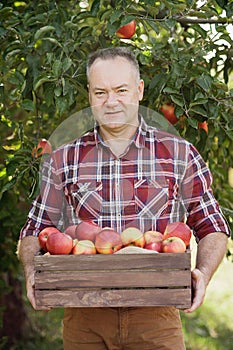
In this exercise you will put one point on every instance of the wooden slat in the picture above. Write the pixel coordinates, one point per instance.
(111, 279)
(113, 262)
(181, 298)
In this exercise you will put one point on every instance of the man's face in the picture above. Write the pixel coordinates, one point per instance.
(115, 92)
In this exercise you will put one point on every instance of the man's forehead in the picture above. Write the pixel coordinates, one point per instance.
(102, 63)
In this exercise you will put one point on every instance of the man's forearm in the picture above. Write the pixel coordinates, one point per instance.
(211, 250)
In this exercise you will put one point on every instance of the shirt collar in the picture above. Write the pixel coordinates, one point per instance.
(139, 137)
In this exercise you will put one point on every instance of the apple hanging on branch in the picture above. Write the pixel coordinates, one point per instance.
(127, 31)
(168, 111)
(204, 126)
(43, 147)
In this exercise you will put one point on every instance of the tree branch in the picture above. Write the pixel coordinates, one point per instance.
(189, 20)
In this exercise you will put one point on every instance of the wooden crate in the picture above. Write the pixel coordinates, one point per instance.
(113, 280)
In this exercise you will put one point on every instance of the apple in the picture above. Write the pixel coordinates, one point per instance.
(168, 111)
(43, 147)
(43, 236)
(153, 240)
(132, 236)
(178, 229)
(59, 243)
(108, 241)
(173, 245)
(204, 126)
(156, 246)
(84, 247)
(71, 231)
(127, 31)
(87, 230)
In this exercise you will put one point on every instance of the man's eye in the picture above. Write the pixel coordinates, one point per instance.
(122, 91)
(99, 93)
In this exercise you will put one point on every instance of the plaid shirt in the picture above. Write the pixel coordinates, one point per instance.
(160, 178)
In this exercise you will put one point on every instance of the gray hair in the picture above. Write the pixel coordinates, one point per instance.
(112, 53)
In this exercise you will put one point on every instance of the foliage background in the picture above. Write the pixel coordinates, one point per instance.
(185, 53)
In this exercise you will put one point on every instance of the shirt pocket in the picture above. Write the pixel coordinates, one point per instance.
(86, 199)
(151, 197)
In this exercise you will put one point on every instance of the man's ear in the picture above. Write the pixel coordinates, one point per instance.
(141, 89)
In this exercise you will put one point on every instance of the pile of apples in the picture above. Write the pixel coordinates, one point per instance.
(88, 238)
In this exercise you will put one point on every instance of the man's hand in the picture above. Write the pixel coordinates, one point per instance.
(210, 251)
(30, 286)
(27, 248)
(198, 290)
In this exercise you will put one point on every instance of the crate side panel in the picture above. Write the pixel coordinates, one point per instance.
(119, 262)
(181, 298)
(103, 279)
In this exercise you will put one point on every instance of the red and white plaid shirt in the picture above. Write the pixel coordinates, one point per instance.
(161, 178)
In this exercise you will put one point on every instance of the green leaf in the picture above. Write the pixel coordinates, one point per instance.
(199, 110)
(28, 105)
(200, 30)
(66, 64)
(205, 82)
(222, 3)
(193, 122)
(154, 26)
(115, 16)
(52, 40)
(8, 186)
(170, 90)
(40, 80)
(57, 68)
(127, 19)
(95, 7)
(178, 100)
(159, 81)
(42, 31)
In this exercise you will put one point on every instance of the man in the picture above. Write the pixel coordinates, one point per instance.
(124, 173)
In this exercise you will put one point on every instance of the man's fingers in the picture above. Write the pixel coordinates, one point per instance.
(198, 289)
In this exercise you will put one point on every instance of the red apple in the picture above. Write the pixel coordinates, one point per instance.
(127, 31)
(168, 111)
(132, 236)
(84, 247)
(71, 231)
(43, 147)
(178, 229)
(59, 243)
(173, 245)
(87, 230)
(156, 246)
(204, 126)
(153, 236)
(153, 240)
(108, 241)
(43, 236)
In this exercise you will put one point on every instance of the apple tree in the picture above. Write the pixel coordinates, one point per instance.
(185, 53)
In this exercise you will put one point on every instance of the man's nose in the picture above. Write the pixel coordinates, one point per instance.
(111, 99)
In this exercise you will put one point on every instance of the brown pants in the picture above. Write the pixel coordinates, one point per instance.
(149, 328)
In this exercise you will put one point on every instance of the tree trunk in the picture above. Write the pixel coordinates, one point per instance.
(15, 324)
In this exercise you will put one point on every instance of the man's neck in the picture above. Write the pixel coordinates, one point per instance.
(118, 139)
